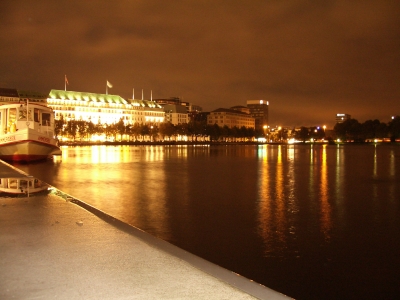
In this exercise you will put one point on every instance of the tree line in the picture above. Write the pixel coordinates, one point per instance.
(350, 129)
(79, 130)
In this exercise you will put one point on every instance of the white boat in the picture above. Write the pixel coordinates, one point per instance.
(27, 132)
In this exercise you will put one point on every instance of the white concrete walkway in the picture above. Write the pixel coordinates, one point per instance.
(52, 248)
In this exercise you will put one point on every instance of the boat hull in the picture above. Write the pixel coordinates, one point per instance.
(27, 145)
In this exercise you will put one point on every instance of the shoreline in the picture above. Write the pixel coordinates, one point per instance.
(214, 143)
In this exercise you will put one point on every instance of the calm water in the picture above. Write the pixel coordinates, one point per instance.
(311, 221)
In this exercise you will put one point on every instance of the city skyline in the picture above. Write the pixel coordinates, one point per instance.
(309, 60)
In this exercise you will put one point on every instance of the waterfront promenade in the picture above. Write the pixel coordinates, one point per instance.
(55, 247)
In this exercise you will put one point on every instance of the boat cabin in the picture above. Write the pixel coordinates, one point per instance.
(23, 185)
(18, 116)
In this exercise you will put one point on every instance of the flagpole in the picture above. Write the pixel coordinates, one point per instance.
(107, 87)
(142, 94)
(151, 95)
(65, 82)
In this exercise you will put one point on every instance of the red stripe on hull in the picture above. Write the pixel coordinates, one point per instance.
(24, 151)
(24, 157)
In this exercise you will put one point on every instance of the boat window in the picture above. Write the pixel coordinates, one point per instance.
(22, 113)
(12, 118)
(36, 115)
(45, 119)
(13, 184)
(23, 184)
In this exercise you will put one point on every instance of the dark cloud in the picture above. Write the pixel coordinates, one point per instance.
(309, 59)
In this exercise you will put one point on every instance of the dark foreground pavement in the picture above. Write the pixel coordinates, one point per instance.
(56, 247)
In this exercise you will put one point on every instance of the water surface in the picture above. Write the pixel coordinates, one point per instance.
(311, 221)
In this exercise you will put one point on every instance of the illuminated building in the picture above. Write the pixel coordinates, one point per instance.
(14, 95)
(171, 100)
(230, 118)
(177, 101)
(340, 118)
(191, 107)
(103, 108)
(176, 114)
(241, 108)
(8, 95)
(259, 111)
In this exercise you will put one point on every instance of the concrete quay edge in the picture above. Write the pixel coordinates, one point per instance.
(236, 281)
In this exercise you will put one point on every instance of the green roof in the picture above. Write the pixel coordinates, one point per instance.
(89, 97)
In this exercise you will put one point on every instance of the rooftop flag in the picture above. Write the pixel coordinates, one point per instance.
(108, 85)
(66, 82)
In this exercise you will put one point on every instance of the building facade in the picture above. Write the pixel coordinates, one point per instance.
(241, 108)
(231, 118)
(259, 111)
(340, 118)
(8, 95)
(103, 108)
(176, 114)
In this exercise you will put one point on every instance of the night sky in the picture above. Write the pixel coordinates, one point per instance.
(309, 59)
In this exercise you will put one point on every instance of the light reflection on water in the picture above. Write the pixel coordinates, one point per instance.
(302, 219)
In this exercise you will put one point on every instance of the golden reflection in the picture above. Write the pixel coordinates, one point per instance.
(147, 199)
(183, 151)
(392, 164)
(375, 163)
(154, 208)
(139, 191)
(374, 186)
(326, 221)
(265, 213)
(392, 173)
(97, 154)
(311, 171)
(339, 174)
(272, 211)
(280, 199)
(292, 201)
(154, 153)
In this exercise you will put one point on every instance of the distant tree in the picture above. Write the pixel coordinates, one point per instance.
(303, 134)
(243, 132)
(348, 130)
(82, 129)
(109, 130)
(166, 130)
(72, 128)
(250, 133)
(371, 129)
(394, 128)
(99, 128)
(144, 130)
(59, 126)
(214, 131)
(154, 131)
(182, 129)
(196, 128)
(120, 127)
(135, 130)
(382, 131)
(91, 129)
(227, 132)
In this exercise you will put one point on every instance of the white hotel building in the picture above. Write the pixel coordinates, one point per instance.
(103, 108)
